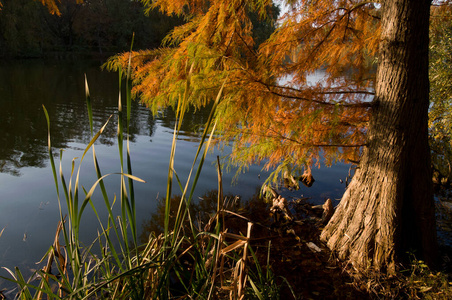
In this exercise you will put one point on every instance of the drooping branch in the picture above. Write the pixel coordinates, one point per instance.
(271, 89)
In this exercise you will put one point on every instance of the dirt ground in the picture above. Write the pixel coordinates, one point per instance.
(298, 255)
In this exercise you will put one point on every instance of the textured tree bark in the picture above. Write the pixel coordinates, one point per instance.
(388, 208)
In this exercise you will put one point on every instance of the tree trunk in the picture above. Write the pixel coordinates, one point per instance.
(388, 208)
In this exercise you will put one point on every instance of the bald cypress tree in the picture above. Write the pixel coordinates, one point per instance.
(353, 113)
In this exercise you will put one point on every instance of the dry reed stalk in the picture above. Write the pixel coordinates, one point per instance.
(243, 270)
(1, 232)
(55, 252)
(220, 203)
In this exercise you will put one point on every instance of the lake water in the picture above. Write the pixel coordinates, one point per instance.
(28, 202)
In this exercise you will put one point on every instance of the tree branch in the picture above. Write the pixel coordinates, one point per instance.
(363, 104)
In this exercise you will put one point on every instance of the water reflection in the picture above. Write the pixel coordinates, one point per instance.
(192, 123)
(27, 85)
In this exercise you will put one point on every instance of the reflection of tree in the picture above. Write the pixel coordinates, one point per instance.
(192, 124)
(27, 85)
(254, 208)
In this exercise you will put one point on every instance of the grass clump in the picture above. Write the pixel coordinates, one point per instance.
(185, 260)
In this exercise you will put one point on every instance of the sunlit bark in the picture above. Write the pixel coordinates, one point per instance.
(388, 207)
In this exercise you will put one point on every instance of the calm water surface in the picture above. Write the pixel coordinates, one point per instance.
(28, 201)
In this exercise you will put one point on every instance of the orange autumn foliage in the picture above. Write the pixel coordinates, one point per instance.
(52, 5)
(270, 111)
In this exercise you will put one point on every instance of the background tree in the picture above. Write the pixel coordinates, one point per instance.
(440, 115)
(388, 208)
(20, 27)
(82, 27)
(61, 25)
(52, 5)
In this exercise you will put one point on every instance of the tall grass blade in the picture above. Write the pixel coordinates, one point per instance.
(181, 215)
(25, 292)
(1, 232)
(91, 191)
(93, 187)
(110, 219)
(256, 290)
(89, 106)
(182, 104)
(52, 161)
(129, 84)
(170, 182)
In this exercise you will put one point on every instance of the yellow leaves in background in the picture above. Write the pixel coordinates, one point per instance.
(52, 5)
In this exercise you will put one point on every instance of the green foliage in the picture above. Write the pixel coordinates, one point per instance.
(263, 282)
(440, 115)
(415, 282)
(95, 26)
(21, 28)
